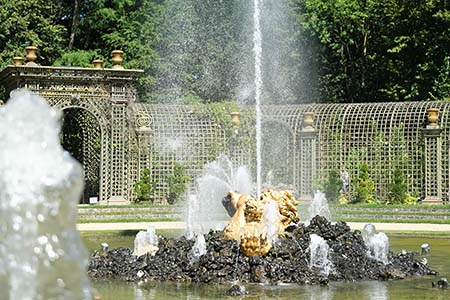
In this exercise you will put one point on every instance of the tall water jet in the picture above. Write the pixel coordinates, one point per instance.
(319, 206)
(319, 255)
(257, 51)
(377, 243)
(41, 253)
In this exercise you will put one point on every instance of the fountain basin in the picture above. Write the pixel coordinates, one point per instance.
(287, 262)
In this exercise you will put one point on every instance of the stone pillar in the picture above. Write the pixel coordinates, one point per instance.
(432, 159)
(308, 156)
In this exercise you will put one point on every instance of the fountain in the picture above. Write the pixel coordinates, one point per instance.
(146, 242)
(41, 253)
(199, 247)
(319, 255)
(257, 223)
(377, 243)
(245, 252)
(319, 206)
(257, 51)
(217, 179)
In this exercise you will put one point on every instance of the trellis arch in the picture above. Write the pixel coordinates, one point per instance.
(104, 141)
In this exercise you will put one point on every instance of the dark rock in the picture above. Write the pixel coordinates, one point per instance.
(236, 290)
(441, 283)
(226, 202)
(287, 261)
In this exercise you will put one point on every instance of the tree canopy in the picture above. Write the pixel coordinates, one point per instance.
(200, 50)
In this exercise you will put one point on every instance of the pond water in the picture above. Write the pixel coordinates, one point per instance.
(410, 288)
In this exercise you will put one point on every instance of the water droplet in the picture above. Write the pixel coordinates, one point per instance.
(40, 218)
(43, 240)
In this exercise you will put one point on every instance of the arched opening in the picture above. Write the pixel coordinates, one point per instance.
(277, 154)
(81, 137)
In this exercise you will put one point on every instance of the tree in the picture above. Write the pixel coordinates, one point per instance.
(371, 50)
(31, 23)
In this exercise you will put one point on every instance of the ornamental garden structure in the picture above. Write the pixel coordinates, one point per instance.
(116, 135)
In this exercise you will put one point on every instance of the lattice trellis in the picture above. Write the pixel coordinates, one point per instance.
(174, 134)
(135, 136)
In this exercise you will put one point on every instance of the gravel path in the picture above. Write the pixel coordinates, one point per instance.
(182, 225)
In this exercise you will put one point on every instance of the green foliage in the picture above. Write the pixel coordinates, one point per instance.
(379, 50)
(364, 186)
(397, 188)
(441, 88)
(331, 185)
(177, 183)
(354, 50)
(25, 23)
(144, 187)
(77, 58)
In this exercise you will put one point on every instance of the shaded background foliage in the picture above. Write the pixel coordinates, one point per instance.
(335, 51)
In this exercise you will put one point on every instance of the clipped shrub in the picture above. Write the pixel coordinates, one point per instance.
(177, 183)
(144, 187)
(364, 186)
(398, 189)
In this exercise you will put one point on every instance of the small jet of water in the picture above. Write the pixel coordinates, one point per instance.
(425, 248)
(105, 246)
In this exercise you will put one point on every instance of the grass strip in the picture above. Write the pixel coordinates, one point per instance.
(389, 213)
(146, 205)
(381, 220)
(131, 220)
(390, 206)
(131, 212)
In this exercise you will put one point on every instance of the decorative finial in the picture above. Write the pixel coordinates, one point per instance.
(117, 59)
(308, 121)
(433, 116)
(235, 118)
(97, 63)
(18, 60)
(31, 55)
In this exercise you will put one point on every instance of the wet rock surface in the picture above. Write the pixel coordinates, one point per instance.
(287, 261)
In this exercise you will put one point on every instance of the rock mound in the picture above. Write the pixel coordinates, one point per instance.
(287, 261)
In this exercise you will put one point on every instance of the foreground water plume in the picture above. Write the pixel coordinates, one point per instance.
(41, 253)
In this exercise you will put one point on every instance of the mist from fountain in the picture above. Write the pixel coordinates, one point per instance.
(377, 243)
(319, 206)
(204, 209)
(41, 253)
(319, 255)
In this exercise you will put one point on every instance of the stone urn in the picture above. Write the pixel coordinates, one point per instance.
(308, 120)
(31, 55)
(97, 63)
(18, 60)
(117, 58)
(235, 118)
(433, 116)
